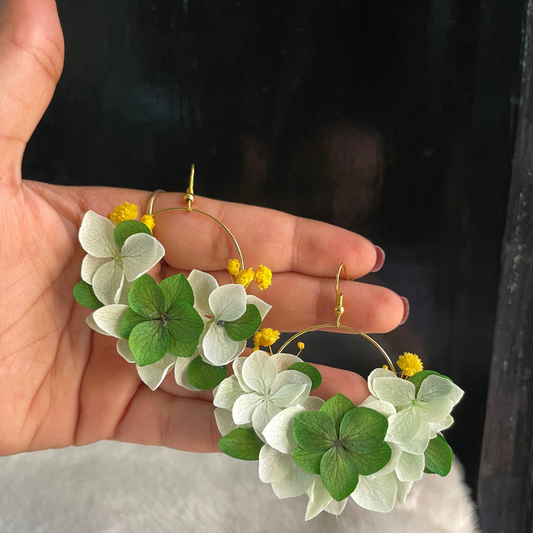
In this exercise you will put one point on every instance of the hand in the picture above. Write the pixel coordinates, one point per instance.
(62, 384)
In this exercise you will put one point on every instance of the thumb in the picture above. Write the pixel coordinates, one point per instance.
(31, 60)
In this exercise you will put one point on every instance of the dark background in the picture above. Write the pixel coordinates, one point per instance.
(393, 119)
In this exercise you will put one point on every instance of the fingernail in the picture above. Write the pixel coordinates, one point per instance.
(380, 259)
(405, 310)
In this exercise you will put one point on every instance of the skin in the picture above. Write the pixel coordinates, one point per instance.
(61, 383)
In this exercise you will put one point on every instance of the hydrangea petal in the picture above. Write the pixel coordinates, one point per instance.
(259, 372)
(378, 373)
(296, 484)
(397, 391)
(273, 465)
(202, 286)
(224, 420)
(391, 466)
(385, 408)
(228, 302)
(440, 426)
(335, 507)
(278, 432)
(140, 253)
(437, 409)
(90, 265)
(410, 467)
(154, 374)
(290, 395)
(237, 370)
(94, 326)
(262, 415)
(108, 282)
(218, 348)
(109, 318)
(404, 426)
(96, 235)
(262, 306)
(123, 348)
(244, 408)
(319, 498)
(125, 291)
(404, 488)
(418, 445)
(290, 377)
(284, 360)
(181, 369)
(227, 392)
(436, 386)
(376, 494)
(313, 403)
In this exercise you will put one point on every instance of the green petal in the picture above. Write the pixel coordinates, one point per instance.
(314, 432)
(176, 289)
(363, 430)
(130, 320)
(310, 371)
(84, 295)
(439, 457)
(146, 298)
(241, 443)
(182, 349)
(307, 460)
(338, 473)
(245, 326)
(126, 229)
(149, 342)
(184, 323)
(336, 408)
(370, 463)
(204, 376)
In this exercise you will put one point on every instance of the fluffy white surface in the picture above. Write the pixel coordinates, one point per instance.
(113, 488)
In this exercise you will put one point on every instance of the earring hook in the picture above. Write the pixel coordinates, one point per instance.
(189, 195)
(339, 308)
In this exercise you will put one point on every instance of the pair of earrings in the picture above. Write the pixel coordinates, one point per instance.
(331, 450)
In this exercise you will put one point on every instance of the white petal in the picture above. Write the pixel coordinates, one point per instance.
(244, 408)
(107, 282)
(404, 426)
(404, 488)
(410, 467)
(378, 373)
(218, 348)
(313, 403)
(123, 348)
(293, 485)
(154, 374)
(109, 318)
(377, 494)
(278, 432)
(319, 498)
(180, 371)
(436, 410)
(140, 253)
(290, 395)
(290, 377)
(237, 370)
(262, 415)
(224, 420)
(94, 326)
(273, 465)
(96, 235)
(90, 265)
(124, 292)
(397, 391)
(393, 462)
(284, 360)
(385, 408)
(440, 426)
(202, 286)
(436, 386)
(336, 508)
(259, 372)
(419, 444)
(227, 392)
(228, 302)
(262, 307)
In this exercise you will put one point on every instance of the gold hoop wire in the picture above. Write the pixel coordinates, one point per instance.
(189, 199)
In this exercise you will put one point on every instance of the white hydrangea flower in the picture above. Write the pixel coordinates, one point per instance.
(419, 416)
(321, 500)
(107, 321)
(264, 391)
(217, 305)
(109, 270)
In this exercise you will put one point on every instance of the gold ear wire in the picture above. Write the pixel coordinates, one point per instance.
(189, 199)
(339, 311)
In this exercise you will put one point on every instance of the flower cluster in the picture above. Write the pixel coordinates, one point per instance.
(262, 277)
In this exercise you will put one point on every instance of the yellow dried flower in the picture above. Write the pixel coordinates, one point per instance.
(263, 277)
(245, 277)
(126, 211)
(149, 221)
(301, 346)
(410, 364)
(234, 267)
(385, 367)
(265, 337)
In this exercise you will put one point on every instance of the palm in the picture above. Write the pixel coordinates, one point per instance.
(62, 384)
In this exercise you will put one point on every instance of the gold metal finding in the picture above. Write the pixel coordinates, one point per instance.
(339, 307)
(189, 199)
